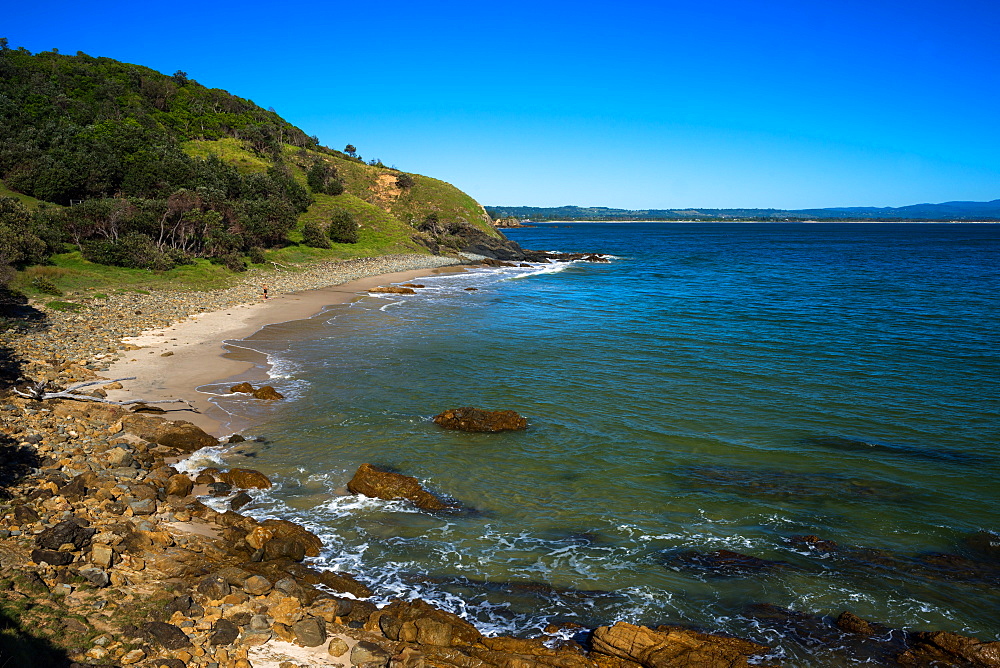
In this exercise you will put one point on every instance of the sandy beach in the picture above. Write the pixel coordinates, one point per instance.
(173, 361)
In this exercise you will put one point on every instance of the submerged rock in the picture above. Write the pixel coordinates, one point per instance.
(474, 419)
(380, 484)
(721, 563)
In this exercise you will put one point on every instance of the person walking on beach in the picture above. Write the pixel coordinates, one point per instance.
(265, 291)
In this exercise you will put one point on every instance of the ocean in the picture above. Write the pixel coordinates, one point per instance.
(820, 399)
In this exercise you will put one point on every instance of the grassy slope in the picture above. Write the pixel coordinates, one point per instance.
(26, 200)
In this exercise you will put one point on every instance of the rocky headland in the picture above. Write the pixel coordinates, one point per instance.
(109, 555)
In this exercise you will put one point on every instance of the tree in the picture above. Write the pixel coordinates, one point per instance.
(351, 150)
(343, 228)
(405, 181)
(313, 235)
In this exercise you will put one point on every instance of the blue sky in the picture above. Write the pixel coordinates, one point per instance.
(630, 104)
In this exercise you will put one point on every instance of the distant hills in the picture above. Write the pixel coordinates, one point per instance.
(916, 212)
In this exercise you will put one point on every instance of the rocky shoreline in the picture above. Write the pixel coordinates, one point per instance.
(109, 558)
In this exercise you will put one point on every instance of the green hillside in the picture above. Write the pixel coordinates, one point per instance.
(109, 163)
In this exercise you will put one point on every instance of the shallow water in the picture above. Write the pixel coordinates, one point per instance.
(715, 386)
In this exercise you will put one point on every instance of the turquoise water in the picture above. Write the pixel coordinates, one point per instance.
(713, 387)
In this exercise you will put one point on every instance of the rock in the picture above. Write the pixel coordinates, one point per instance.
(118, 457)
(256, 585)
(224, 632)
(985, 545)
(337, 647)
(394, 290)
(178, 434)
(96, 576)
(720, 563)
(286, 611)
(52, 557)
(71, 531)
(246, 479)
(813, 543)
(413, 285)
(329, 609)
(102, 555)
(369, 654)
(267, 393)
(214, 587)
(309, 632)
(179, 485)
(379, 484)
(939, 648)
(418, 621)
(472, 289)
(143, 506)
(670, 647)
(167, 635)
(240, 500)
(474, 419)
(25, 515)
(290, 540)
(242, 388)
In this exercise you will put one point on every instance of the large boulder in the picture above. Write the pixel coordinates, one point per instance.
(420, 622)
(72, 531)
(177, 434)
(393, 290)
(670, 647)
(390, 486)
(289, 538)
(474, 419)
(245, 479)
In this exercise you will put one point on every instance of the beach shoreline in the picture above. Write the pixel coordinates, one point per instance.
(172, 362)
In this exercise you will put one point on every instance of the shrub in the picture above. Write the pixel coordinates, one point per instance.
(256, 255)
(134, 251)
(230, 261)
(343, 228)
(313, 235)
(334, 187)
(405, 181)
(46, 286)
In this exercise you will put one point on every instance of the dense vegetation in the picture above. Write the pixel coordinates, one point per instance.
(118, 164)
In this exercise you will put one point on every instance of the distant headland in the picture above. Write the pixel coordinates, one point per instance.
(945, 211)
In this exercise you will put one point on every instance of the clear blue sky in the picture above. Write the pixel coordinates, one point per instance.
(668, 104)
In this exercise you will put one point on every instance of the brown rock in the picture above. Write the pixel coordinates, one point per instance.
(287, 611)
(420, 622)
(177, 434)
(393, 290)
(413, 285)
(939, 648)
(245, 479)
(179, 485)
(474, 419)
(267, 393)
(310, 632)
(373, 482)
(673, 647)
(290, 532)
(242, 388)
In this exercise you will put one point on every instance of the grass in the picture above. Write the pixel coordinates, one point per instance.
(73, 274)
(26, 200)
(229, 150)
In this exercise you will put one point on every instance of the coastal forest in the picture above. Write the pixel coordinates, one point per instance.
(114, 164)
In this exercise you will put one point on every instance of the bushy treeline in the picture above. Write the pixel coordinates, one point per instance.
(103, 138)
(78, 127)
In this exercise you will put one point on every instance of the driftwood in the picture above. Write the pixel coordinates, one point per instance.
(37, 392)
